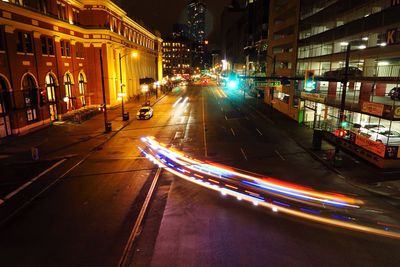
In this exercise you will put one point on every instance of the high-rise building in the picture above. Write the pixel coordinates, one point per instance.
(196, 21)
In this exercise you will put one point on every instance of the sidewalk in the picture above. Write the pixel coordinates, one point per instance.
(356, 171)
(55, 142)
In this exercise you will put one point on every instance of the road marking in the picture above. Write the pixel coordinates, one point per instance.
(233, 132)
(247, 118)
(244, 154)
(259, 131)
(136, 227)
(204, 128)
(222, 109)
(226, 118)
(279, 154)
(22, 187)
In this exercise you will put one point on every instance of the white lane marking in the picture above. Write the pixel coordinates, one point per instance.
(222, 109)
(247, 118)
(177, 101)
(279, 154)
(204, 128)
(226, 118)
(233, 132)
(19, 189)
(129, 245)
(259, 131)
(244, 154)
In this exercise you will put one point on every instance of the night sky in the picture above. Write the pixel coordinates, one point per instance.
(162, 14)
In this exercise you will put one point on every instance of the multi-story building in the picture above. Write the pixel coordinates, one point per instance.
(176, 56)
(50, 59)
(351, 50)
(364, 35)
(196, 20)
(282, 54)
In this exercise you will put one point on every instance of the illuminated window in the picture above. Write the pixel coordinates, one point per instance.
(68, 90)
(29, 90)
(81, 86)
(50, 88)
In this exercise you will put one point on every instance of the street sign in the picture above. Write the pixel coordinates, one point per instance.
(274, 84)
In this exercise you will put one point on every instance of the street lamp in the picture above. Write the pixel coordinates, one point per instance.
(121, 94)
(343, 99)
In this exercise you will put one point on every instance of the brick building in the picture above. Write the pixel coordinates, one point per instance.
(50, 59)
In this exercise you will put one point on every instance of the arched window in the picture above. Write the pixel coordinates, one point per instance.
(4, 104)
(82, 88)
(29, 89)
(68, 90)
(50, 88)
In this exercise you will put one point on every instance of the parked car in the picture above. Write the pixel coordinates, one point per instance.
(395, 93)
(144, 113)
(339, 73)
(372, 126)
(386, 137)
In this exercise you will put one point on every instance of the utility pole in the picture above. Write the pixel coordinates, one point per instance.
(107, 125)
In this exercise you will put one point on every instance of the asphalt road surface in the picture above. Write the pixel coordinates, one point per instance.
(86, 218)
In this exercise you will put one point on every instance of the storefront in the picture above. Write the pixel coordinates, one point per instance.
(374, 130)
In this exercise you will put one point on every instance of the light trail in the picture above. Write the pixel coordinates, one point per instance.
(256, 190)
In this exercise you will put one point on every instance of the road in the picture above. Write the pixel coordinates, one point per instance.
(86, 218)
(203, 228)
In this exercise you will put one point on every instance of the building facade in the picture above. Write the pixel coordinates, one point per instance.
(177, 56)
(364, 35)
(50, 59)
(282, 54)
(196, 21)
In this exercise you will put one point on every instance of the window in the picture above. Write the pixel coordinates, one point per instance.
(68, 90)
(75, 16)
(82, 88)
(47, 45)
(61, 11)
(2, 39)
(79, 50)
(65, 48)
(42, 6)
(24, 42)
(50, 88)
(29, 89)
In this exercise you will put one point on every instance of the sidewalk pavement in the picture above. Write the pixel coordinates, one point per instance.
(356, 171)
(55, 142)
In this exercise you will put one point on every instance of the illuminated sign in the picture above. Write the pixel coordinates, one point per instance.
(372, 108)
(370, 145)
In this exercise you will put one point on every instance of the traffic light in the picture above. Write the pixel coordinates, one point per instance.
(340, 133)
(42, 97)
(309, 82)
(343, 121)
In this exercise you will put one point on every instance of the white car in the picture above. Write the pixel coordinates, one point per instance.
(371, 127)
(392, 138)
(144, 113)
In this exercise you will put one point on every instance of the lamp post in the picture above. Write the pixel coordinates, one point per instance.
(343, 100)
(122, 94)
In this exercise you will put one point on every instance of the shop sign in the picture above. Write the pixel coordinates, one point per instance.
(313, 97)
(396, 113)
(373, 108)
(274, 84)
(370, 145)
